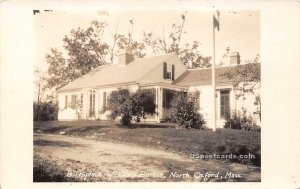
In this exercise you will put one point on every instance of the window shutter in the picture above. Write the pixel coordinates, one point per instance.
(91, 98)
(173, 72)
(104, 100)
(73, 101)
(165, 71)
(66, 101)
(81, 101)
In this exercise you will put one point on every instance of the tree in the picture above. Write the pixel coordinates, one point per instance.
(84, 51)
(39, 83)
(184, 111)
(189, 53)
(86, 48)
(126, 42)
(44, 106)
(127, 105)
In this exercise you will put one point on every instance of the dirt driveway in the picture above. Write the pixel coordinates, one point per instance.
(108, 161)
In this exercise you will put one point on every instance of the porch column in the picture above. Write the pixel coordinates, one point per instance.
(157, 103)
(160, 103)
(218, 103)
(96, 104)
(87, 105)
(232, 102)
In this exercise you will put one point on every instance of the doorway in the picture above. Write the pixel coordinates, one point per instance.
(225, 104)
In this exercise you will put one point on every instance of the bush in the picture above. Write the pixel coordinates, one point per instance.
(241, 123)
(143, 103)
(45, 111)
(185, 112)
(128, 105)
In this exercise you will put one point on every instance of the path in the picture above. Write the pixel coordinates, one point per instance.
(108, 161)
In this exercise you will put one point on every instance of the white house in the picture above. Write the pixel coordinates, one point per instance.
(163, 73)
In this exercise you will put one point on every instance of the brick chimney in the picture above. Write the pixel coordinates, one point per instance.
(235, 58)
(125, 57)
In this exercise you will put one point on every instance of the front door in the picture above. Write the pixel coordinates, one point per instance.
(225, 104)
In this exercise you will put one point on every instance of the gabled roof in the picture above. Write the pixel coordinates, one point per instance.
(112, 74)
(203, 76)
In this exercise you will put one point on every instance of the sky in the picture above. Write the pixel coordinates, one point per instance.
(239, 30)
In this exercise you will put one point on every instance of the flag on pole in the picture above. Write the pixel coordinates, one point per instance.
(216, 20)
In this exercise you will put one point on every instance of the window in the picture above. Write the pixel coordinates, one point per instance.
(169, 75)
(168, 71)
(81, 101)
(104, 101)
(73, 101)
(92, 103)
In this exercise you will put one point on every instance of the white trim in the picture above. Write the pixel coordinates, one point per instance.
(165, 85)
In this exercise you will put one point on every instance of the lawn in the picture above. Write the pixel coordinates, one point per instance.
(166, 137)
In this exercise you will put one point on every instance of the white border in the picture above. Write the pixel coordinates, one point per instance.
(280, 38)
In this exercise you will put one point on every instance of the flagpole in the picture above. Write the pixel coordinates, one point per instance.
(213, 81)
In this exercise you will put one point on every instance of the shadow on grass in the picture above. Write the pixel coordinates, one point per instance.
(71, 129)
(149, 125)
(54, 129)
(87, 128)
(41, 142)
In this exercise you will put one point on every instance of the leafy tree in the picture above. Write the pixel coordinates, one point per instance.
(129, 43)
(39, 82)
(86, 48)
(84, 51)
(189, 53)
(135, 46)
(128, 105)
(185, 111)
(58, 71)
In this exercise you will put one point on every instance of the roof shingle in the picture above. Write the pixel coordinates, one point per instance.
(203, 76)
(111, 74)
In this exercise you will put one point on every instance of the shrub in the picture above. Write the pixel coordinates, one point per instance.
(241, 123)
(45, 111)
(143, 103)
(128, 105)
(185, 112)
(119, 106)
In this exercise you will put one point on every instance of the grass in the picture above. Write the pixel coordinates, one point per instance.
(165, 137)
(44, 171)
